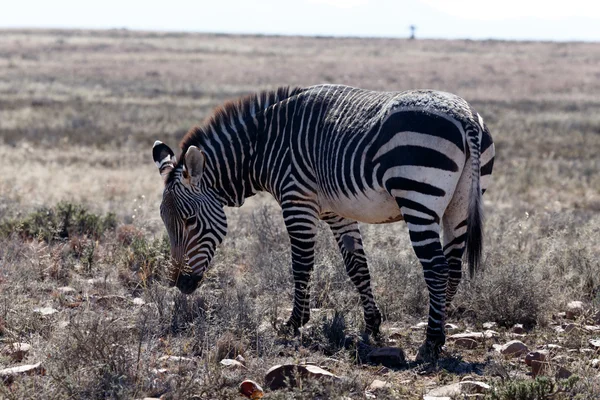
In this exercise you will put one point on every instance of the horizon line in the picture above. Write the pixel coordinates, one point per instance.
(291, 35)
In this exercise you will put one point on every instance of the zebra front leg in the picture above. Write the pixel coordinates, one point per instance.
(301, 221)
(425, 238)
(349, 240)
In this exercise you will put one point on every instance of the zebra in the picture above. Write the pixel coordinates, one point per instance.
(339, 154)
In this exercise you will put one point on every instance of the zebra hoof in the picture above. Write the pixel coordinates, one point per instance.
(289, 329)
(372, 325)
(429, 353)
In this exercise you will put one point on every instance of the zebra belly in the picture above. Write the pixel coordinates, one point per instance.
(372, 207)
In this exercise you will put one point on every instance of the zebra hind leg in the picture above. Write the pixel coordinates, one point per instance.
(348, 238)
(425, 238)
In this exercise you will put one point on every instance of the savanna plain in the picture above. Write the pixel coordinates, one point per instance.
(83, 251)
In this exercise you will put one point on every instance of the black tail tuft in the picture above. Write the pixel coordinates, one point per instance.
(474, 232)
(475, 213)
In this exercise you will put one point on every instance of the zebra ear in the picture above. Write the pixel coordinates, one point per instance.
(194, 163)
(164, 158)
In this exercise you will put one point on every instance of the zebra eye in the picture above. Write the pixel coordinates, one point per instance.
(190, 221)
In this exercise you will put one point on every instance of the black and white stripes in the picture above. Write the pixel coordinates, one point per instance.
(342, 155)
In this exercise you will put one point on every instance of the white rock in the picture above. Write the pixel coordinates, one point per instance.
(489, 325)
(378, 384)
(472, 387)
(574, 309)
(45, 310)
(233, 364)
(17, 351)
(419, 326)
(514, 348)
(448, 391)
(177, 362)
(138, 301)
(66, 290)
(282, 376)
(8, 374)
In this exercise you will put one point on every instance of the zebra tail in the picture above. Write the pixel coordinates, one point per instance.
(475, 212)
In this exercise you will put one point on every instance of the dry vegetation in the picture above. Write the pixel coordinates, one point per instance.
(79, 197)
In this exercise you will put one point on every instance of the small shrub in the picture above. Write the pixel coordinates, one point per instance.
(334, 330)
(539, 389)
(59, 223)
(146, 259)
(507, 296)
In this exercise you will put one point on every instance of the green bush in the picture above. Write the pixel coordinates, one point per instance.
(59, 223)
(147, 259)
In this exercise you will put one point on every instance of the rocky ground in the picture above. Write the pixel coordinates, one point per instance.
(85, 312)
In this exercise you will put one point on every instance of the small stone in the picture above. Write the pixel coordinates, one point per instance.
(592, 328)
(595, 343)
(447, 391)
(473, 387)
(391, 357)
(45, 310)
(251, 389)
(17, 351)
(563, 373)
(559, 315)
(595, 363)
(160, 371)
(466, 343)
(451, 327)
(419, 326)
(241, 359)
(559, 329)
(553, 347)
(489, 334)
(518, 329)
(489, 325)
(538, 355)
(282, 376)
(539, 367)
(514, 348)
(233, 364)
(574, 309)
(173, 362)
(138, 301)
(9, 374)
(66, 290)
(378, 384)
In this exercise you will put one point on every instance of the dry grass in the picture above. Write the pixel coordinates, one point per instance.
(78, 114)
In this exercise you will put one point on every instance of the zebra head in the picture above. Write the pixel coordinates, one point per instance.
(194, 218)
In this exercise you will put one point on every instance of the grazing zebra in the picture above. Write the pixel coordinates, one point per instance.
(342, 155)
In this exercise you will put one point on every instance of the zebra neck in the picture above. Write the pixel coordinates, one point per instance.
(229, 155)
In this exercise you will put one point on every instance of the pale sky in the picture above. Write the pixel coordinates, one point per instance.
(465, 19)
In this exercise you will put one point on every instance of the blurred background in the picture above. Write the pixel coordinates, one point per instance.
(86, 87)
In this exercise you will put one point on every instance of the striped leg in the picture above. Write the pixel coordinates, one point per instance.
(348, 238)
(301, 221)
(425, 238)
(454, 247)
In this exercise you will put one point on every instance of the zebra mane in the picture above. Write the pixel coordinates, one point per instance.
(238, 110)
